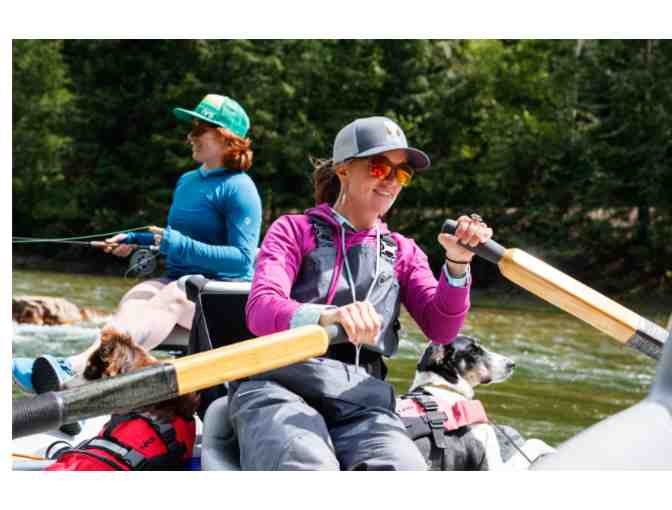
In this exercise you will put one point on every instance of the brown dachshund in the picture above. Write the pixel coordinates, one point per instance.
(156, 437)
(119, 354)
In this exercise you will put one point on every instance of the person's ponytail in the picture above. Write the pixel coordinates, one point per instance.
(326, 185)
(238, 154)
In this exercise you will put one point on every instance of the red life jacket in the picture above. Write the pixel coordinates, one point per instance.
(132, 442)
(426, 416)
(452, 417)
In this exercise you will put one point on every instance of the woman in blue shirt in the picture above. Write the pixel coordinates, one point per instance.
(213, 229)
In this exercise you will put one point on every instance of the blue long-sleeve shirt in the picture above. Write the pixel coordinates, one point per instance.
(213, 226)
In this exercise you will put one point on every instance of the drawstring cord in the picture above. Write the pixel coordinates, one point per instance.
(351, 281)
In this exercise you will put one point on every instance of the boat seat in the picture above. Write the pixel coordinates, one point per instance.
(221, 309)
(220, 312)
(219, 320)
(219, 447)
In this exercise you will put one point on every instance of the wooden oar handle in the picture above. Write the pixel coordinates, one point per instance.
(489, 250)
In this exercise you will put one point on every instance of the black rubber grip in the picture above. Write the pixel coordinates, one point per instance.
(37, 414)
(336, 334)
(489, 250)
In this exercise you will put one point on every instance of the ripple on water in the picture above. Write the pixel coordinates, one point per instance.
(33, 340)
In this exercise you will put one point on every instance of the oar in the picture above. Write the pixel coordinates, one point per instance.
(168, 380)
(572, 296)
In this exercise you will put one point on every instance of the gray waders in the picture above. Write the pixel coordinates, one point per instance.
(321, 414)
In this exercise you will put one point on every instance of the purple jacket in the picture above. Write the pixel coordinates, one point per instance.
(437, 307)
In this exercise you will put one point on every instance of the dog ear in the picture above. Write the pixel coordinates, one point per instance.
(99, 362)
(95, 366)
(437, 359)
(448, 371)
(432, 356)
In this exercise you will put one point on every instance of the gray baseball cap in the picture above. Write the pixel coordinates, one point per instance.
(373, 135)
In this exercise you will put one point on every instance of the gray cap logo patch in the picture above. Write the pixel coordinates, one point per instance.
(392, 129)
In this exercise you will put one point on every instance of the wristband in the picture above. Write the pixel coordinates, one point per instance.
(461, 262)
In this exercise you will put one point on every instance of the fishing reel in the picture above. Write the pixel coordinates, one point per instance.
(142, 262)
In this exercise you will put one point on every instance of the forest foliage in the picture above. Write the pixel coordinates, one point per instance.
(563, 146)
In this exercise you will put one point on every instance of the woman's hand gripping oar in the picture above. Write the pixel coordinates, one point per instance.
(572, 296)
(168, 380)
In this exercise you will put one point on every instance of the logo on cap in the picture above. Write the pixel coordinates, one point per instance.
(392, 129)
(205, 111)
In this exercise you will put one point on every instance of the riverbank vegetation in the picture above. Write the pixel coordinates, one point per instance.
(564, 147)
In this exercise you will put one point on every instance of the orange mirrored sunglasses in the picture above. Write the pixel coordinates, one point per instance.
(381, 167)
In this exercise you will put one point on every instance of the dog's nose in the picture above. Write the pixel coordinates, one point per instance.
(510, 365)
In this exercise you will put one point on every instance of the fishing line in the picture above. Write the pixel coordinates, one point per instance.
(141, 263)
(23, 240)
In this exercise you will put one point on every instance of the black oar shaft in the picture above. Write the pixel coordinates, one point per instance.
(37, 414)
(53, 409)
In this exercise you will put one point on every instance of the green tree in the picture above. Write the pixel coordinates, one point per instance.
(40, 101)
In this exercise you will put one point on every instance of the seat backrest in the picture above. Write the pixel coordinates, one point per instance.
(220, 312)
(224, 311)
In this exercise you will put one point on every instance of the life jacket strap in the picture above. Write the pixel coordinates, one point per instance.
(434, 417)
(129, 456)
(66, 451)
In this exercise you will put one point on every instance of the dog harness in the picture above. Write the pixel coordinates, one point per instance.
(438, 428)
(131, 442)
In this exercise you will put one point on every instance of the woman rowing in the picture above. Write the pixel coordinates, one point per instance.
(213, 229)
(339, 263)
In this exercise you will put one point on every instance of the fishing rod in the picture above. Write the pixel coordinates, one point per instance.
(142, 261)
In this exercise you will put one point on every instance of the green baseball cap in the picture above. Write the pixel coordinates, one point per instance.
(220, 110)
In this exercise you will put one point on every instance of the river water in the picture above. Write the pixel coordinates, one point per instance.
(568, 375)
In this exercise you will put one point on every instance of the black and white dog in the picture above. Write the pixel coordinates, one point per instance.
(449, 373)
